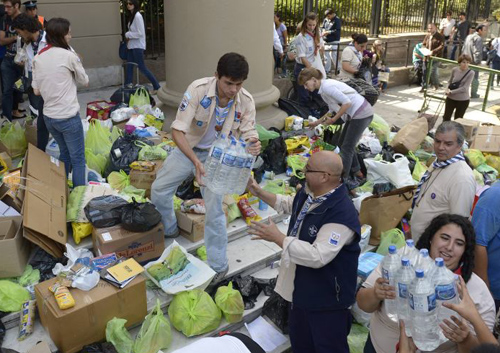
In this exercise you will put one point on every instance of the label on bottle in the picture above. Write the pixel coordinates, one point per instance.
(422, 303)
(445, 291)
(239, 162)
(228, 159)
(248, 163)
(387, 275)
(403, 290)
(217, 152)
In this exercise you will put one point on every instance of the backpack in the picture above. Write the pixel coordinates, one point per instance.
(364, 88)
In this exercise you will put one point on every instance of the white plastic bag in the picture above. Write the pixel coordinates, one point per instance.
(122, 114)
(397, 173)
(196, 274)
(358, 200)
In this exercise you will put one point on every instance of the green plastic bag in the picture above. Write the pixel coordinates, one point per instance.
(366, 187)
(151, 153)
(155, 333)
(278, 187)
(380, 127)
(419, 169)
(118, 180)
(115, 133)
(202, 253)
(297, 162)
(422, 155)
(390, 237)
(479, 177)
(194, 313)
(98, 139)
(74, 204)
(233, 212)
(476, 157)
(12, 296)
(265, 135)
(230, 302)
(490, 172)
(29, 277)
(97, 162)
(117, 334)
(131, 191)
(139, 98)
(357, 338)
(12, 136)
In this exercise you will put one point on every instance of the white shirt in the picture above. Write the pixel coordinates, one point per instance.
(28, 67)
(136, 33)
(276, 41)
(496, 45)
(446, 26)
(336, 93)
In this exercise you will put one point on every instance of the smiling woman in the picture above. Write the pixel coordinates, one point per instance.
(448, 236)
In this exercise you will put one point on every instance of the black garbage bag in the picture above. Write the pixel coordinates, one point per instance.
(248, 288)
(187, 190)
(123, 152)
(2, 332)
(105, 211)
(387, 153)
(274, 155)
(140, 216)
(293, 108)
(276, 309)
(266, 285)
(44, 262)
(382, 187)
(332, 136)
(99, 347)
(294, 181)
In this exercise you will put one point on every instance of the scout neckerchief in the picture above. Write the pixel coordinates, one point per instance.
(314, 40)
(36, 43)
(305, 208)
(221, 114)
(436, 165)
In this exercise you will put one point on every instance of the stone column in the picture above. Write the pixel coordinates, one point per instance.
(199, 32)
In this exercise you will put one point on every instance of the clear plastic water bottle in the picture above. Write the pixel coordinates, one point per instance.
(409, 251)
(223, 177)
(239, 165)
(246, 172)
(422, 300)
(214, 158)
(404, 277)
(445, 284)
(424, 262)
(390, 265)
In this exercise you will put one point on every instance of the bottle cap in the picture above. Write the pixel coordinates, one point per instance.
(405, 261)
(410, 243)
(424, 252)
(439, 262)
(419, 273)
(392, 249)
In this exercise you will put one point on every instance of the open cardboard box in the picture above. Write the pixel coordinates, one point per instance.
(487, 139)
(144, 180)
(14, 249)
(44, 201)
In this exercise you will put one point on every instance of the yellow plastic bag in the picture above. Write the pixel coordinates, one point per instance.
(81, 230)
(295, 142)
(419, 169)
(493, 161)
(297, 162)
(475, 157)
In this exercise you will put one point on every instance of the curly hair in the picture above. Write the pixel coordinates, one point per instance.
(467, 260)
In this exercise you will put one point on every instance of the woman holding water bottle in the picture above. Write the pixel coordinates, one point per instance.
(452, 238)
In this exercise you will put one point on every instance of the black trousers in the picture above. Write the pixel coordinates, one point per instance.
(458, 106)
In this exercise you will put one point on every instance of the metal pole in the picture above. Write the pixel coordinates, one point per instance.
(407, 52)
(375, 20)
(490, 82)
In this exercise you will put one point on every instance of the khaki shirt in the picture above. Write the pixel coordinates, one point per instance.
(299, 252)
(197, 110)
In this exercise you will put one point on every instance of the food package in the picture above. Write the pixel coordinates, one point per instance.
(175, 262)
(247, 211)
(194, 206)
(63, 297)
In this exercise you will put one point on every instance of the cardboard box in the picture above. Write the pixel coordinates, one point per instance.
(85, 323)
(192, 225)
(41, 347)
(14, 249)
(144, 180)
(44, 201)
(30, 132)
(141, 246)
(470, 127)
(487, 139)
(6, 158)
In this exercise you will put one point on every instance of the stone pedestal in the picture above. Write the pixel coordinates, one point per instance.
(198, 33)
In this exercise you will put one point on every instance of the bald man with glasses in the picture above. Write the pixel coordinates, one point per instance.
(319, 261)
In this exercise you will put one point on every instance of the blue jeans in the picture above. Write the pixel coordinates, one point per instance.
(11, 72)
(42, 134)
(175, 170)
(137, 56)
(68, 134)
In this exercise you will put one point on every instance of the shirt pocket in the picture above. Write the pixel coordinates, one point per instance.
(202, 118)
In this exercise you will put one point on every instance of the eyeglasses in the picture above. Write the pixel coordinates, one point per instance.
(305, 171)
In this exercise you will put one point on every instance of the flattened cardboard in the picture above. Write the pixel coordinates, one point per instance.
(85, 323)
(41, 347)
(44, 207)
(141, 246)
(30, 132)
(14, 251)
(470, 127)
(487, 139)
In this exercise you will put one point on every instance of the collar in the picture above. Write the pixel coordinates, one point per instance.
(212, 91)
(310, 193)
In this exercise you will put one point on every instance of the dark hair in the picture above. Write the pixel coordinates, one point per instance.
(449, 13)
(233, 65)
(13, 2)
(308, 73)
(26, 23)
(464, 57)
(56, 29)
(486, 348)
(277, 15)
(359, 38)
(467, 260)
(480, 28)
(329, 12)
(137, 7)
(462, 14)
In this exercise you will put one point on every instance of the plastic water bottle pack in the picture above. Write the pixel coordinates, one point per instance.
(390, 265)
(404, 277)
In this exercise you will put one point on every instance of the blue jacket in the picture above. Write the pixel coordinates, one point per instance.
(334, 26)
(332, 286)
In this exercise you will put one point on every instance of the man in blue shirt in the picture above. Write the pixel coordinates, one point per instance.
(486, 222)
(331, 35)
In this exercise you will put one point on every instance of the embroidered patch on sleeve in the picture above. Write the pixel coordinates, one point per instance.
(334, 239)
(184, 104)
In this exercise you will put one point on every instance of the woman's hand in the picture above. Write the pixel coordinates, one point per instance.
(312, 125)
(383, 290)
(456, 331)
(466, 308)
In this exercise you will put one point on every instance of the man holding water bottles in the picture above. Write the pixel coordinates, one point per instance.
(210, 106)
